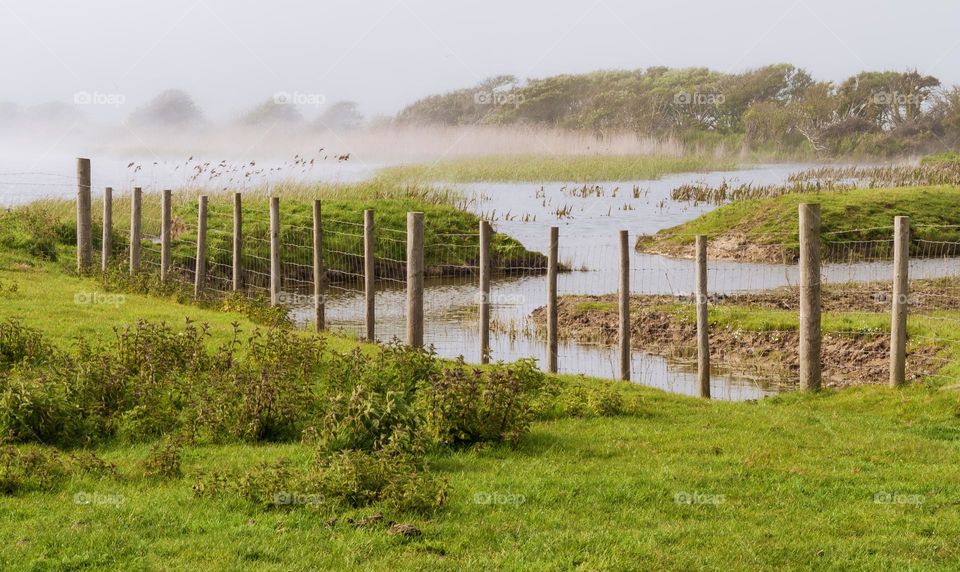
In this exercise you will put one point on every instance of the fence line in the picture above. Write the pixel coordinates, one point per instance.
(331, 272)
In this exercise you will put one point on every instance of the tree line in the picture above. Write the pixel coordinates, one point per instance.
(777, 107)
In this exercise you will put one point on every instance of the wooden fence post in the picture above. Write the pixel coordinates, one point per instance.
(274, 251)
(901, 295)
(84, 216)
(166, 227)
(237, 242)
(200, 278)
(552, 300)
(703, 326)
(625, 305)
(485, 232)
(369, 274)
(136, 228)
(810, 367)
(415, 271)
(106, 245)
(319, 272)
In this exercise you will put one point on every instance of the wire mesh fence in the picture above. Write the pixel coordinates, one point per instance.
(754, 291)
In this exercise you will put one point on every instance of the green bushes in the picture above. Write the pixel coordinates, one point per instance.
(371, 419)
(466, 405)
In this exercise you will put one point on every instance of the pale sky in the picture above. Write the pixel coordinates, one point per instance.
(233, 54)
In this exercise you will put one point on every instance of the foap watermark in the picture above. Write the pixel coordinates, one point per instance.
(299, 98)
(884, 497)
(698, 98)
(99, 299)
(98, 499)
(496, 98)
(298, 300)
(499, 498)
(99, 98)
(697, 497)
(903, 299)
(500, 299)
(896, 98)
(285, 498)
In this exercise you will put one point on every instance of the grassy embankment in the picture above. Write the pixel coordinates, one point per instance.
(765, 229)
(545, 168)
(450, 245)
(854, 479)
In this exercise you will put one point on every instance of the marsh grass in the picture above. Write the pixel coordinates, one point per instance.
(544, 168)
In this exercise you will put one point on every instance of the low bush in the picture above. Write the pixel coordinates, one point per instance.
(470, 405)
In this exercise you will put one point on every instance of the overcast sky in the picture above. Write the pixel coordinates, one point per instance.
(232, 54)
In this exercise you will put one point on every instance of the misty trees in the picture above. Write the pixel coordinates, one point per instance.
(171, 108)
(273, 112)
(341, 115)
(777, 106)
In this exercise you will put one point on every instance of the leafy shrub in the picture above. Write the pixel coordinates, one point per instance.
(465, 406)
(165, 458)
(42, 469)
(344, 480)
(21, 344)
(371, 402)
(36, 407)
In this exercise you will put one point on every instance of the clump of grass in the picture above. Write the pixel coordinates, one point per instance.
(567, 168)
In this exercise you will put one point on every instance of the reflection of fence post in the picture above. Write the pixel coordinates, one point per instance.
(107, 241)
(136, 229)
(901, 293)
(201, 270)
(369, 275)
(485, 231)
(166, 226)
(703, 327)
(810, 297)
(624, 305)
(319, 272)
(552, 300)
(415, 271)
(84, 216)
(237, 242)
(274, 251)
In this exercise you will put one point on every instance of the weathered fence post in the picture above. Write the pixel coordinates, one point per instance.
(703, 326)
(136, 229)
(200, 278)
(552, 300)
(415, 271)
(166, 226)
(369, 274)
(237, 242)
(810, 371)
(274, 251)
(106, 246)
(319, 272)
(485, 232)
(84, 216)
(624, 305)
(901, 295)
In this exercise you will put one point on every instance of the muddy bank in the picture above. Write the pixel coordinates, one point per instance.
(731, 246)
(848, 358)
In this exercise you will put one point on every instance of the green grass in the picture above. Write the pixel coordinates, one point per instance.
(796, 479)
(544, 168)
(59, 304)
(862, 215)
